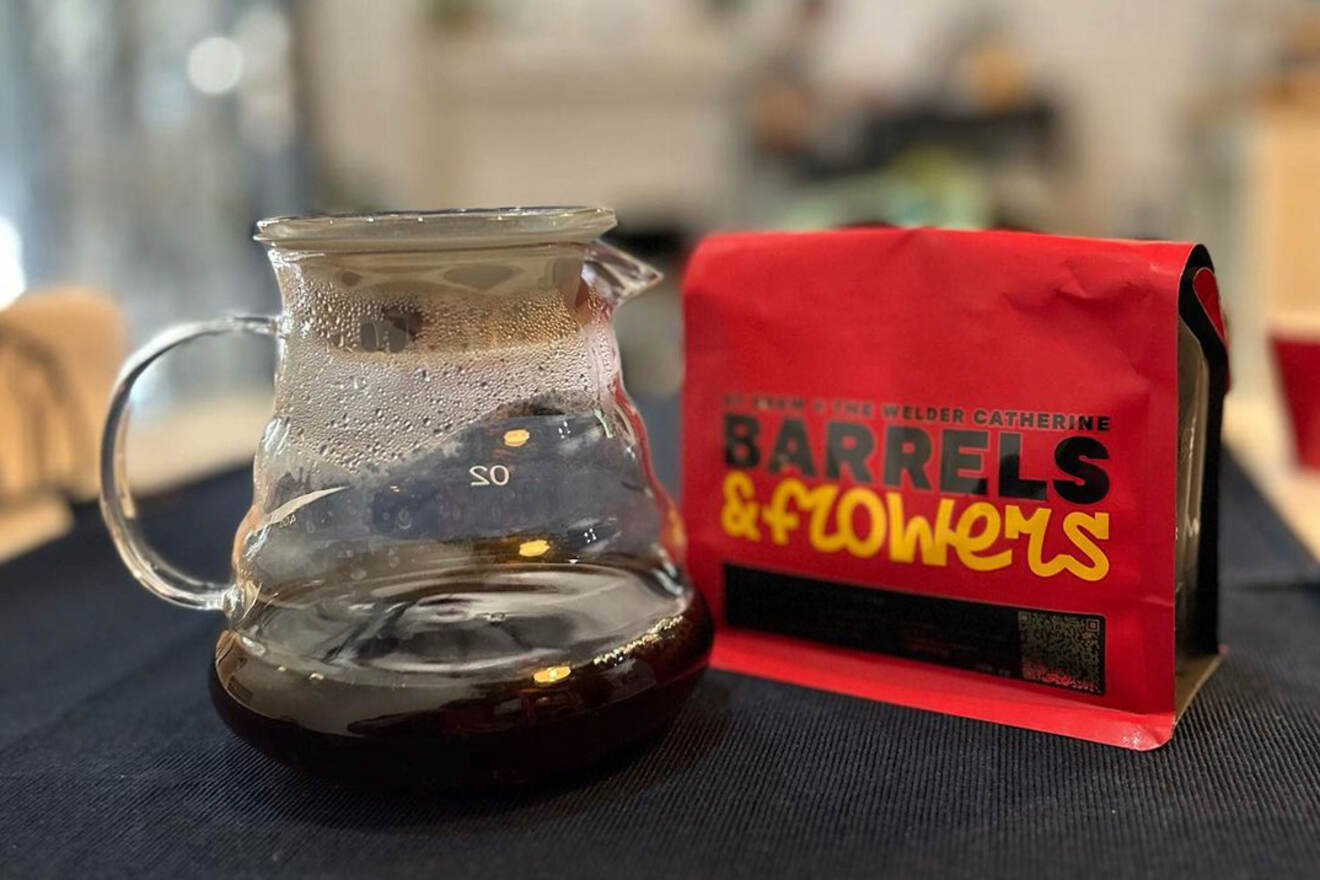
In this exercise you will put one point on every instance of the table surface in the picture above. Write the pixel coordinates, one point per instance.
(112, 761)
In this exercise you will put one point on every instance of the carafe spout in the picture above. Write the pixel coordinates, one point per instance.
(615, 274)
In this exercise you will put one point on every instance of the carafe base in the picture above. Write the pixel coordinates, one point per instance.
(509, 732)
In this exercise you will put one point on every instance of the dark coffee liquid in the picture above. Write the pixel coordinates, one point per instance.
(426, 684)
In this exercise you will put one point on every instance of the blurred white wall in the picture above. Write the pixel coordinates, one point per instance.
(616, 103)
(621, 100)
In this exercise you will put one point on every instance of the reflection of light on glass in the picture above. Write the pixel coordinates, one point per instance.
(551, 674)
(12, 279)
(215, 65)
(517, 437)
(533, 548)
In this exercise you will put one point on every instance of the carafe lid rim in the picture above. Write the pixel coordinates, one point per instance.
(447, 229)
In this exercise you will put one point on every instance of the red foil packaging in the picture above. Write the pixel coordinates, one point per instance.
(971, 472)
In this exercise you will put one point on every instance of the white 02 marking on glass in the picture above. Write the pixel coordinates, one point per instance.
(492, 475)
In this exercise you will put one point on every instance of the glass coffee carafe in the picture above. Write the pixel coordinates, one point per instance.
(458, 566)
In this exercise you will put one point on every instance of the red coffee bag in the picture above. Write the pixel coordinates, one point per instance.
(973, 472)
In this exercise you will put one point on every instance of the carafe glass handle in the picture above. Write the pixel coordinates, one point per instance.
(152, 570)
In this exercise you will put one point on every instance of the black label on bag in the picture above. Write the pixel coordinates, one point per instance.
(1047, 647)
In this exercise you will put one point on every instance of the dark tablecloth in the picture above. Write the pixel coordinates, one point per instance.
(113, 763)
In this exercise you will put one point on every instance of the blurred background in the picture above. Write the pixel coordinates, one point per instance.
(140, 140)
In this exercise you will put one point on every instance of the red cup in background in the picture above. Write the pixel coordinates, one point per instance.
(1297, 357)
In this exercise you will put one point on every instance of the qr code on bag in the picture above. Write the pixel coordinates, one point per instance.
(1066, 650)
